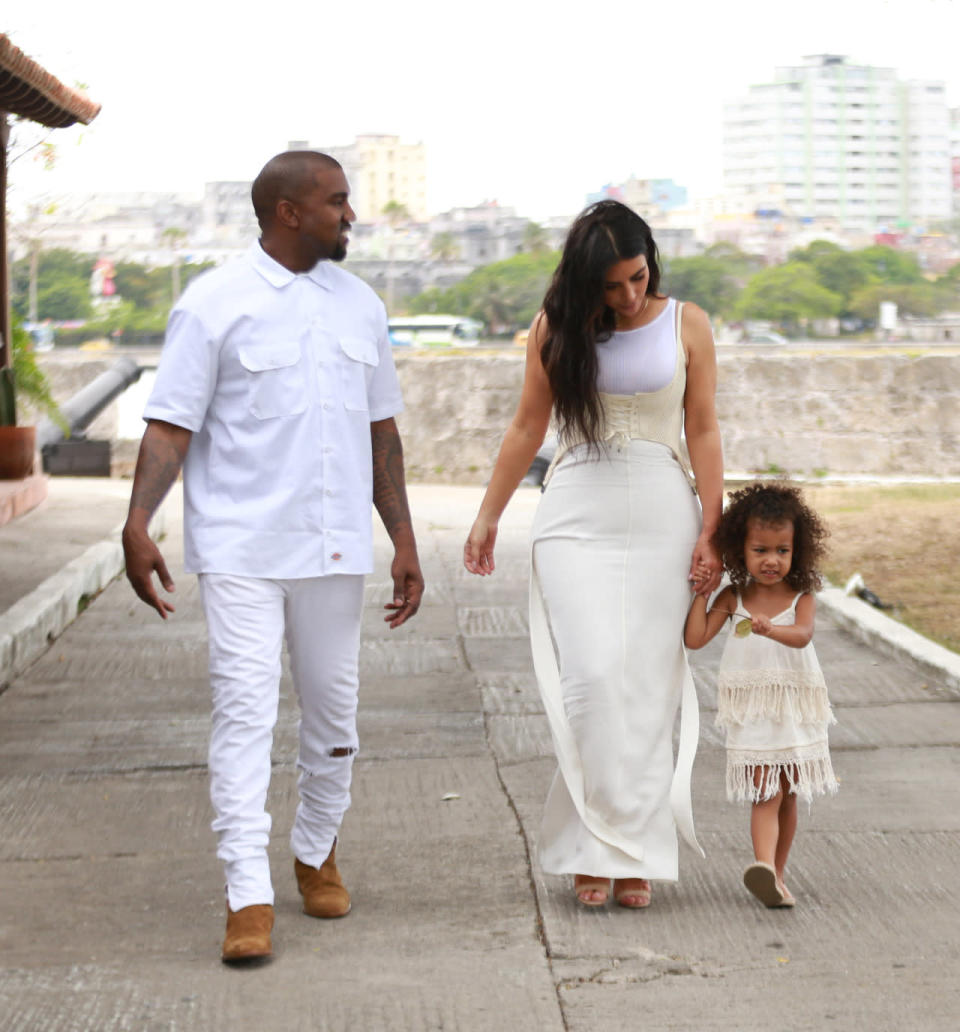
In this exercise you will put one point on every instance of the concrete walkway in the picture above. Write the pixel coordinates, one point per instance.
(111, 903)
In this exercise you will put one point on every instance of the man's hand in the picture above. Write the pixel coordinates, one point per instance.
(407, 587)
(390, 499)
(143, 558)
(161, 455)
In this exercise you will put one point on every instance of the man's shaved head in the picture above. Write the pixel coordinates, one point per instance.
(287, 176)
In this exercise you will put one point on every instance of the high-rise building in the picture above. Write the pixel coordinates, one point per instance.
(955, 159)
(380, 170)
(648, 197)
(847, 144)
(227, 213)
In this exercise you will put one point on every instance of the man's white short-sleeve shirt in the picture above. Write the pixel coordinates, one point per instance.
(278, 375)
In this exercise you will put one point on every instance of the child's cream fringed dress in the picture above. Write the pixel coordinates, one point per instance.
(772, 701)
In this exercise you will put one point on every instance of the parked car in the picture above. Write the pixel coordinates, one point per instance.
(541, 462)
(766, 337)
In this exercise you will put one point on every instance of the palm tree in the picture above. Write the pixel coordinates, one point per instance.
(396, 212)
(444, 247)
(173, 237)
(535, 238)
(396, 215)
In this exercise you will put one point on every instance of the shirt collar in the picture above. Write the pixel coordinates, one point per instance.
(278, 275)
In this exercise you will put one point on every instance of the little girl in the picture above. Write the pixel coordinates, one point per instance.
(771, 696)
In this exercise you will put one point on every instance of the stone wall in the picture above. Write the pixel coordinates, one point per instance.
(797, 413)
(834, 413)
(456, 410)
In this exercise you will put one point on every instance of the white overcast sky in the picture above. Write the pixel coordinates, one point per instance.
(531, 104)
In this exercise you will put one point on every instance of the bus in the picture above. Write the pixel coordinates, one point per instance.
(435, 331)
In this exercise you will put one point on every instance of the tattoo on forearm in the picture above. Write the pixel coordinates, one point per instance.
(389, 489)
(158, 465)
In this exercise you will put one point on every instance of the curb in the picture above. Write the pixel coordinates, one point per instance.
(890, 636)
(33, 623)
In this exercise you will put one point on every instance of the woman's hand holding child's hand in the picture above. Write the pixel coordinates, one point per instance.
(705, 567)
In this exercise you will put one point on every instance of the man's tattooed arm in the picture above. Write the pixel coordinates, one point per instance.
(390, 499)
(162, 451)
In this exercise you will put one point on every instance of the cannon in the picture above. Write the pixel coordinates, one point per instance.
(74, 455)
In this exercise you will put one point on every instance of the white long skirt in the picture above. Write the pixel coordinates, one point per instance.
(611, 545)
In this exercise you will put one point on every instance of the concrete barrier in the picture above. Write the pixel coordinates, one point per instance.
(800, 413)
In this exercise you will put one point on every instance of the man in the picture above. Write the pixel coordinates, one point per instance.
(277, 393)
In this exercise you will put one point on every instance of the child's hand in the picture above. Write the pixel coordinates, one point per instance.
(705, 567)
(761, 625)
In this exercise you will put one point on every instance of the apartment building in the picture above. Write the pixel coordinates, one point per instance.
(380, 169)
(841, 143)
(955, 159)
(649, 198)
(125, 226)
(226, 214)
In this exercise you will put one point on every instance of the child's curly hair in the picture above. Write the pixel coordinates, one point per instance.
(772, 503)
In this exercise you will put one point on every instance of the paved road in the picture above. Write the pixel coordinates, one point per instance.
(111, 904)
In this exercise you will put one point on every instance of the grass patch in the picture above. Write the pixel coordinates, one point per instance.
(903, 541)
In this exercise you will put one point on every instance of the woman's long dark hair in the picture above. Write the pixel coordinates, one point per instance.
(577, 318)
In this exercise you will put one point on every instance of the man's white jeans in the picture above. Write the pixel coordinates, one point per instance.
(246, 621)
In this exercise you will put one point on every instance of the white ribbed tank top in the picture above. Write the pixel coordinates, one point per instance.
(639, 361)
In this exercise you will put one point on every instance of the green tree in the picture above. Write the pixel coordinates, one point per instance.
(396, 212)
(173, 238)
(705, 280)
(535, 238)
(56, 268)
(444, 247)
(396, 215)
(788, 295)
(815, 250)
(888, 265)
(139, 285)
(149, 289)
(917, 299)
(738, 263)
(124, 319)
(505, 295)
(947, 289)
(64, 299)
(190, 270)
(843, 272)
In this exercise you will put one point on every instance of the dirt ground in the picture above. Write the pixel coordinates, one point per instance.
(904, 541)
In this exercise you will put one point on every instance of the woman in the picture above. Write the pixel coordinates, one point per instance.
(618, 540)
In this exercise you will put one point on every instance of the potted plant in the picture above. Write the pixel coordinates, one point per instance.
(23, 378)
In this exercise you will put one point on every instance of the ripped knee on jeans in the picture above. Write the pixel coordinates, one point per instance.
(327, 761)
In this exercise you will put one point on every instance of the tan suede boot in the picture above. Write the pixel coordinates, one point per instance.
(248, 933)
(323, 891)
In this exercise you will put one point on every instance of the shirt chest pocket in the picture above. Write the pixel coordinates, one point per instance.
(276, 385)
(358, 359)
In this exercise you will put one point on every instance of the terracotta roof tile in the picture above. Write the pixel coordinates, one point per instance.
(30, 91)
